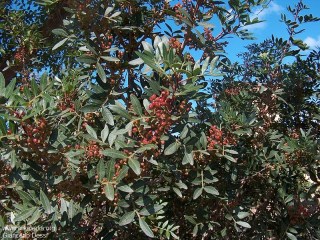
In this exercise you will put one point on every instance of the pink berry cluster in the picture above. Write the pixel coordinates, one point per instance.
(218, 137)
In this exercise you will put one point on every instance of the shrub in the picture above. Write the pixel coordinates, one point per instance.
(108, 130)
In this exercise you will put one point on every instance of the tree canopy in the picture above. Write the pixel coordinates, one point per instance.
(125, 119)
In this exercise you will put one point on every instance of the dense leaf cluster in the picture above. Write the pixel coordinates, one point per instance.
(126, 120)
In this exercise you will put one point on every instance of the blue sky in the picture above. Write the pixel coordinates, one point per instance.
(272, 25)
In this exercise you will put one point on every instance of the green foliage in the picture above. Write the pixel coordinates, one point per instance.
(119, 139)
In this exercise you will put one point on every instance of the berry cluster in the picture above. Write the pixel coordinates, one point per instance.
(5, 173)
(297, 213)
(72, 187)
(217, 137)
(108, 44)
(175, 43)
(172, 81)
(35, 133)
(189, 57)
(120, 54)
(67, 102)
(201, 158)
(92, 151)
(188, 6)
(120, 163)
(83, 12)
(176, 10)
(19, 55)
(192, 9)
(232, 91)
(89, 118)
(160, 119)
(208, 35)
(295, 134)
(113, 79)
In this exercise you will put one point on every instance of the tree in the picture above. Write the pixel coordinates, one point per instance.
(107, 130)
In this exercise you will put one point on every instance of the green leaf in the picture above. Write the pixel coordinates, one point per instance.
(243, 224)
(90, 108)
(205, 65)
(150, 61)
(136, 104)
(2, 82)
(127, 218)
(145, 228)
(223, 232)
(10, 88)
(71, 209)
(155, 86)
(125, 188)
(119, 110)
(105, 133)
(211, 190)
(101, 73)
(110, 59)
(135, 62)
(197, 193)
(230, 158)
(177, 191)
(45, 202)
(25, 214)
(110, 171)
(242, 215)
(134, 165)
(292, 230)
(147, 46)
(35, 216)
(87, 59)
(300, 44)
(91, 131)
(24, 196)
(112, 136)
(228, 216)
(203, 140)
(108, 10)
(195, 230)
(291, 236)
(190, 219)
(107, 116)
(231, 151)
(181, 185)
(289, 198)
(172, 148)
(213, 63)
(101, 169)
(113, 153)
(109, 191)
(184, 132)
(188, 158)
(146, 148)
(13, 159)
(123, 172)
(60, 32)
(3, 127)
(150, 210)
(63, 206)
(34, 87)
(59, 44)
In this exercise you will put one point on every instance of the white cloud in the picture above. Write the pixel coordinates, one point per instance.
(272, 8)
(260, 25)
(312, 42)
